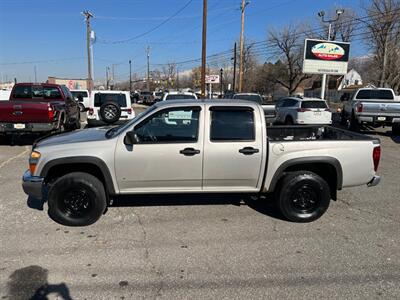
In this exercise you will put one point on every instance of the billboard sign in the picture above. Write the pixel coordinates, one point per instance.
(325, 57)
(212, 79)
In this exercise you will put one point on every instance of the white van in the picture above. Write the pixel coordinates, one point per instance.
(109, 107)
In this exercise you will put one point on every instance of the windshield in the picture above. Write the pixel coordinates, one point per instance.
(118, 129)
(252, 98)
(375, 94)
(179, 97)
(101, 98)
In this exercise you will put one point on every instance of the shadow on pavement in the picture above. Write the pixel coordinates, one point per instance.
(263, 205)
(15, 140)
(31, 283)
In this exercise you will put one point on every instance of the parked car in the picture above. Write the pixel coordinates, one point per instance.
(5, 95)
(192, 146)
(146, 97)
(38, 108)
(302, 111)
(374, 107)
(109, 107)
(269, 108)
(82, 97)
(177, 95)
(158, 96)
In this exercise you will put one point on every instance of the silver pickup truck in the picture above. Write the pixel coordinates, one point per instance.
(197, 146)
(374, 107)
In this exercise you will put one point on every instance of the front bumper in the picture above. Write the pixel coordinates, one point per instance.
(374, 181)
(32, 185)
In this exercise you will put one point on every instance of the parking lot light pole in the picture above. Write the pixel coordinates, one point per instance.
(130, 77)
(321, 14)
(220, 82)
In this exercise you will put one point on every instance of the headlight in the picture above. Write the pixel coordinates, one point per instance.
(33, 160)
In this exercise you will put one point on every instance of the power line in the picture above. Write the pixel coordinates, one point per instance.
(150, 30)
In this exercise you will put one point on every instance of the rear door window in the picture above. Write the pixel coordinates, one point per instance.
(313, 104)
(22, 92)
(235, 124)
(51, 92)
(101, 98)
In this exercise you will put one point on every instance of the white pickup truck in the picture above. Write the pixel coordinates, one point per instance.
(192, 146)
(372, 106)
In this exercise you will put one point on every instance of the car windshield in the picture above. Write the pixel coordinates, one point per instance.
(101, 98)
(375, 94)
(179, 97)
(77, 94)
(252, 98)
(313, 104)
(118, 129)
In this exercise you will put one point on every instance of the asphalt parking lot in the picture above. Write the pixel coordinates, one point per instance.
(212, 247)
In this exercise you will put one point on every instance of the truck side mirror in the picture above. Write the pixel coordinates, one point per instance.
(131, 138)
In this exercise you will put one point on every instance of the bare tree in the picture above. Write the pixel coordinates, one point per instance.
(383, 28)
(287, 45)
(169, 74)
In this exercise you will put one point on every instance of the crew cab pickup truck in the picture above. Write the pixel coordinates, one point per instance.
(374, 107)
(38, 108)
(192, 146)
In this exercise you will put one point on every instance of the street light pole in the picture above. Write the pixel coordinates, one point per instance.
(220, 82)
(204, 51)
(321, 14)
(130, 77)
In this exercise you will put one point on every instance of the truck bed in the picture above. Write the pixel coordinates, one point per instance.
(312, 132)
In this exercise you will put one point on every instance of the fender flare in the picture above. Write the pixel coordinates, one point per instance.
(83, 159)
(308, 160)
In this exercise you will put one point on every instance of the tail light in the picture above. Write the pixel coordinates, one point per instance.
(359, 107)
(376, 156)
(129, 111)
(303, 109)
(50, 112)
(91, 111)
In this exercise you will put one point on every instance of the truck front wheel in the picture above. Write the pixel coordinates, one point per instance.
(76, 199)
(303, 196)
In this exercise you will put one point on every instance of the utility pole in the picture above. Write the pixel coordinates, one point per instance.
(130, 77)
(88, 15)
(220, 82)
(204, 51)
(107, 78)
(148, 67)
(234, 68)
(243, 8)
(34, 71)
(177, 78)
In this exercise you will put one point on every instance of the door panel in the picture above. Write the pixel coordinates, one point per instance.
(233, 150)
(168, 157)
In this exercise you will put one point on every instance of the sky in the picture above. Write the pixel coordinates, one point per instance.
(50, 35)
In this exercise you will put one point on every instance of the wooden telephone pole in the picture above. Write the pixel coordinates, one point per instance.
(204, 51)
(148, 67)
(243, 8)
(88, 15)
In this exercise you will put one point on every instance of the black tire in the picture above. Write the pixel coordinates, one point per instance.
(343, 120)
(303, 196)
(110, 112)
(289, 121)
(352, 124)
(396, 129)
(76, 199)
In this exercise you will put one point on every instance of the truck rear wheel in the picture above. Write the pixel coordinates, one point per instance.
(303, 196)
(396, 129)
(76, 199)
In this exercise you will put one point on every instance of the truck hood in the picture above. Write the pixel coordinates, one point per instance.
(79, 136)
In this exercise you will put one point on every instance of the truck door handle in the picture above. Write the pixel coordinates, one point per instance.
(189, 151)
(248, 150)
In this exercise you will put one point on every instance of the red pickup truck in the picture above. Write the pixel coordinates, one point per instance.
(38, 108)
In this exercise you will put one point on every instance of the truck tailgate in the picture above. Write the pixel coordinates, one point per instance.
(381, 107)
(24, 112)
